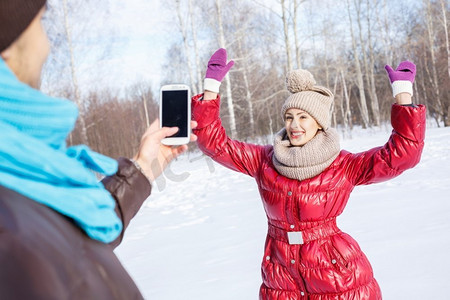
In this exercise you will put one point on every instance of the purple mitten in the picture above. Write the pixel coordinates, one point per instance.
(217, 69)
(406, 70)
(402, 78)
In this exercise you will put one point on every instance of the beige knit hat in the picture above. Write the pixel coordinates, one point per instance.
(315, 100)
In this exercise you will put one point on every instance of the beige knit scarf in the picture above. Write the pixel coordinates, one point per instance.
(305, 161)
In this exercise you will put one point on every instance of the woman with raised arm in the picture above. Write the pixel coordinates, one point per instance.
(305, 180)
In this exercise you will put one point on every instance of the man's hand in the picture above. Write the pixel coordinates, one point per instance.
(153, 156)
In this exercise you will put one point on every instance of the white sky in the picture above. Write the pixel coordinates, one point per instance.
(142, 33)
(111, 50)
(141, 23)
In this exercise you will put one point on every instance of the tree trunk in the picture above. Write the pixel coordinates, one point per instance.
(147, 121)
(386, 40)
(348, 113)
(371, 75)
(286, 35)
(198, 67)
(227, 78)
(296, 40)
(341, 106)
(447, 46)
(368, 69)
(186, 47)
(359, 75)
(427, 81)
(269, 116)
(430, 34)
(333, 107)
(78, 101)
(248, 95)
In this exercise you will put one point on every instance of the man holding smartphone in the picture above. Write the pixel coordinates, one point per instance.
(58, 224)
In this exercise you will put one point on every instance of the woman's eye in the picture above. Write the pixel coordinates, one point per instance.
(288, 118)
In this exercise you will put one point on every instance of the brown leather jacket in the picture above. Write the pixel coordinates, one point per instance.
(44, 255)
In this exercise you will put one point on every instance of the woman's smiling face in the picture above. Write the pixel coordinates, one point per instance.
(300, 126)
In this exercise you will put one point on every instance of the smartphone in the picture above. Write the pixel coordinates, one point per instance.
(175, 110)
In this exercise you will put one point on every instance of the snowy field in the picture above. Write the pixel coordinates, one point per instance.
(201, 233)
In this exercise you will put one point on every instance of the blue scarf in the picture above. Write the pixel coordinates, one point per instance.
(35, 162)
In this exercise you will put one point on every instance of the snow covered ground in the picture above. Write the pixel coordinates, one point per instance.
(201, 233)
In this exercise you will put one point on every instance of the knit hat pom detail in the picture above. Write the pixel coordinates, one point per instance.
(299, 80)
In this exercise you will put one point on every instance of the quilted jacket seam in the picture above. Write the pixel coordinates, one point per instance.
(352, 259)
(344, 291)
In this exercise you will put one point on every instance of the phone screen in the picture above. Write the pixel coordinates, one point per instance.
(175, 111)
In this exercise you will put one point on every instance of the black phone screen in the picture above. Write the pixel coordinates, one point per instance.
(175, 111)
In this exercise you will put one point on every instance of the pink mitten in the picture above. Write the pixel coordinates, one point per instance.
(402, 78)
(217, 69)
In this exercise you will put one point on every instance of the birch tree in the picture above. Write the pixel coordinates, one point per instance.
(287, 43)
(359, 75)
(431, 48)
(285, 21)
(445, 25)
(198, 67)
(387, 42)
(77, 98)
(72, 63)
(370, 68)
(366, 67)
(245, 76)
(447, 48)
(141, 94)
(347, 113)
(297, 4)
(187, 49)
(222, 44)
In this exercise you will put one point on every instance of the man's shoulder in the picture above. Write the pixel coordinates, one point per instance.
(11, 203)
(44, 255)
(30, 220)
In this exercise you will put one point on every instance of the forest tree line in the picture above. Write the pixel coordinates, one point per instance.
(344, 44)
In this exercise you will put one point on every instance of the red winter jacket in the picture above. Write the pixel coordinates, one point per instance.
(324, 263)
